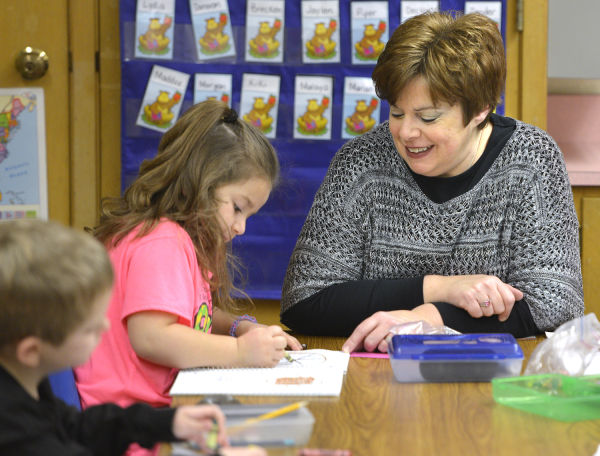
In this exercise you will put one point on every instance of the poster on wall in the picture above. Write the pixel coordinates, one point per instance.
(211, 85)
(312, 107)
(493, 10)
(369, 31)
(415, 7)
(212, 29)
(260, 102)
(265, 24)
(162, 98)
(361, 107)
(23, 181)
(320, 32)
(154, 29)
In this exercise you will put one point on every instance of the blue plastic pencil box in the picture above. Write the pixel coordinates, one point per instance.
(454, 358)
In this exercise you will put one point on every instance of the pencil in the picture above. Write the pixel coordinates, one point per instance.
(288, 357)
(267, 416)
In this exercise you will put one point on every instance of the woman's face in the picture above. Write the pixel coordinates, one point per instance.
(433, 140)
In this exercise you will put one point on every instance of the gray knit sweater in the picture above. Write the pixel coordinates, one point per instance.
(370, 220)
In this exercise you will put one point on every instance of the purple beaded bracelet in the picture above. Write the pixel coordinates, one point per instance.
(238, 320)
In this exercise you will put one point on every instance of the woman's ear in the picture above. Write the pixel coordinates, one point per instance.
(481, 116)
(29, 350)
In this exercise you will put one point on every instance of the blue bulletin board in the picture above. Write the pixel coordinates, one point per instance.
(270, 234)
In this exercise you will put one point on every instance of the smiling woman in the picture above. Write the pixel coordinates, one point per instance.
(447, 213)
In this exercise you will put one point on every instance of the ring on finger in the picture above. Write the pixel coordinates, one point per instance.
(485, 303)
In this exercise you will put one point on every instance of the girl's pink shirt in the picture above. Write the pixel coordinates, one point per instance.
(158, 272)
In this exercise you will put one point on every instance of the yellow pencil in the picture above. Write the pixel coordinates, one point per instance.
(287, 356)
(267, 416)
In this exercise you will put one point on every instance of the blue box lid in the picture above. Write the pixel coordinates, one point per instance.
(461, 347)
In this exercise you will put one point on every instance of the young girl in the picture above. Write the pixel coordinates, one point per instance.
(168, 239)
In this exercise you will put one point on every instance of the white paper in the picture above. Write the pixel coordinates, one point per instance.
(313, 373)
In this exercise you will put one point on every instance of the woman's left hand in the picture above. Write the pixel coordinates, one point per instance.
(371, 334)
(245, 326)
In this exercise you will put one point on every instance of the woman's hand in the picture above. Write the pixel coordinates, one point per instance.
(480, 295)
(192, 422)
(372, 332)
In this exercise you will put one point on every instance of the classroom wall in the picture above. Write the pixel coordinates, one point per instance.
(573, 37)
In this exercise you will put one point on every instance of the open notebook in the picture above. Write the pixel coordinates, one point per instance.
(315, 372)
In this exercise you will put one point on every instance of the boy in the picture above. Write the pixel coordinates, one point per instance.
(55, 284)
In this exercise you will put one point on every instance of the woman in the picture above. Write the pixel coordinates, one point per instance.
(447, 213)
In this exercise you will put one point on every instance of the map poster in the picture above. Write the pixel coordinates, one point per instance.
(23, 184)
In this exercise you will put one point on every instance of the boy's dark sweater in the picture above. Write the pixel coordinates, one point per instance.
(50, 427)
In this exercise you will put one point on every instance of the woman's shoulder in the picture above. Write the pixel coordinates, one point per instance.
(532, 139)
(530, 146)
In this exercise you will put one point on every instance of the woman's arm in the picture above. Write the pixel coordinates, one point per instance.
(339, 308)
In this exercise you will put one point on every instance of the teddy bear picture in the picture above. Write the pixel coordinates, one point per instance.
(313, 122)
(259, 103)
(369, 31)
(154, 30)
(320, 31)
(214, 41)
(159, 112)
(361, 121)
(212, 29)
(370, 45)
(259, 114)
(265, 45)
(154, 40)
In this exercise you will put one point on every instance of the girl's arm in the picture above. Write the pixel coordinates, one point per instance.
(222, 322)
(158, 337)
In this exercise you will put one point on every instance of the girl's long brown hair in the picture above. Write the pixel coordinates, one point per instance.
(209, 146)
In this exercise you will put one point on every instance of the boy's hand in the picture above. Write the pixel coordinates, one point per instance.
(261, 346)
(192, 422)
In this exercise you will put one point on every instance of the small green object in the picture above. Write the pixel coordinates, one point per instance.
(556, 396)
(212, 439)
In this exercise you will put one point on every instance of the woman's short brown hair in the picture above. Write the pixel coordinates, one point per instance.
(461, 57)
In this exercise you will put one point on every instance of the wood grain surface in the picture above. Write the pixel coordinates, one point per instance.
(376, 415)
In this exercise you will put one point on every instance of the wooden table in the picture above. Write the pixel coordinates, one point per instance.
(377, 416)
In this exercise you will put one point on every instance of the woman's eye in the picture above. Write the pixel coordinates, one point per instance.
(236, 208)
(396, 115)
(428, 119)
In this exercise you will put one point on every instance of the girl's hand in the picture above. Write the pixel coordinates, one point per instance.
(261, 346)
(480, 295)
(192, 422)
(245, 326)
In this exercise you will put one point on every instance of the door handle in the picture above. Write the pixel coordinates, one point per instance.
(32, 63)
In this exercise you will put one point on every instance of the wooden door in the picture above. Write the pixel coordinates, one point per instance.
(25, 23)
(527, 55)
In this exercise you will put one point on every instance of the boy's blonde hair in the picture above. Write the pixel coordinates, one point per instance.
(50, 276)
(461, 57)
(208, 147)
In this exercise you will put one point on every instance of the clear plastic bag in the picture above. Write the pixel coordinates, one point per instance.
(571, 349)
(420, 327)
